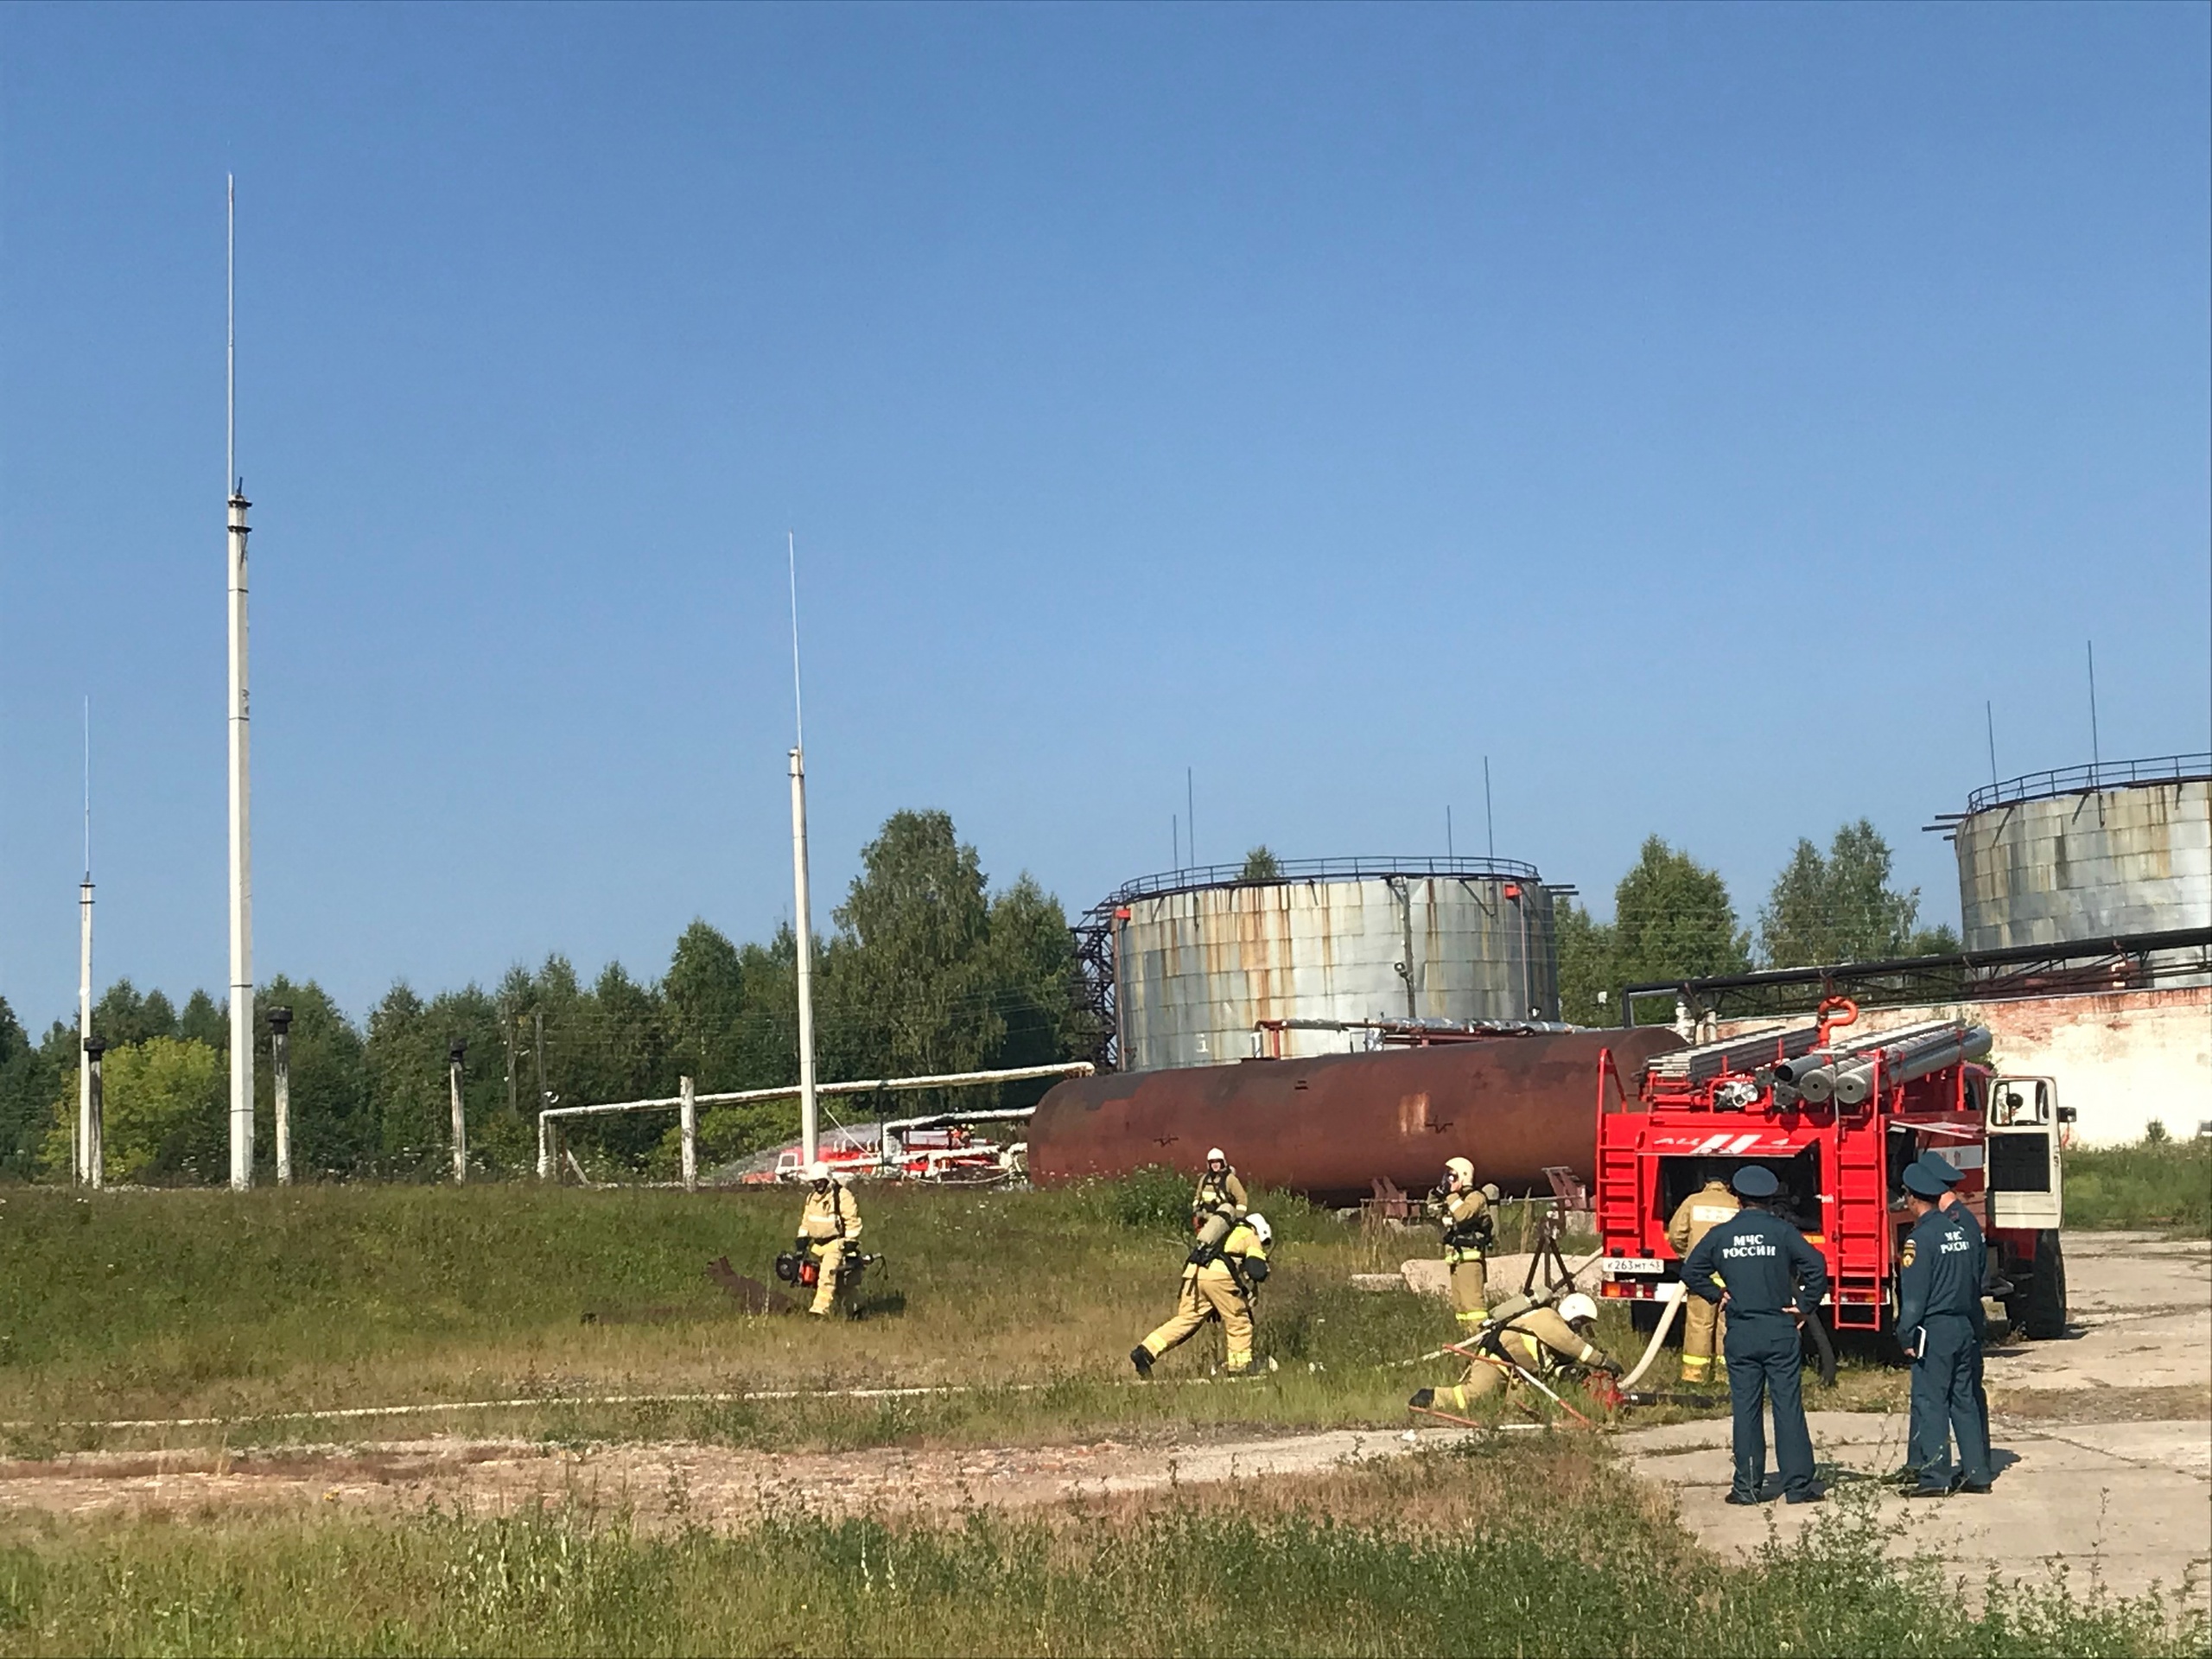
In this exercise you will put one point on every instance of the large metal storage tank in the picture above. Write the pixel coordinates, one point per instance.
(2094, 853)
(1200, 958)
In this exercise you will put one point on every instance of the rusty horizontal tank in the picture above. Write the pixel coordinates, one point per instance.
(1328, 1127)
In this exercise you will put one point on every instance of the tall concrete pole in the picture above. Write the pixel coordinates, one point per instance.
(85, 1136)
(803, 927)
(80, 1167)
(241, 789)
(455, 1056)
(95, 1155)
(280, 1054)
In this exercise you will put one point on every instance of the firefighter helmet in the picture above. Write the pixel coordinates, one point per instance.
(1215, 1155)
(1261, 1230)
(1462, 1170)
(1577, 1308)
(817, 1171)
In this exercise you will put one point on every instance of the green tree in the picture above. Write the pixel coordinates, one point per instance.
(1260, 865)
(122, 1017)
(703, 1004)
(203, 1020)
(165, 1112)
(1033, 962)
(910, 972)
(1587, 983)
(1673, 920)
(1841, 908)
(405, 1063)
(28, 1083)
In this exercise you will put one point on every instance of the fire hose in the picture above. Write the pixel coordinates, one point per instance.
(1675, 1292)
(1672, 1294)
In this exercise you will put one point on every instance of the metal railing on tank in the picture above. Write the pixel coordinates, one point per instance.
(1202, 876)
(2082, 780)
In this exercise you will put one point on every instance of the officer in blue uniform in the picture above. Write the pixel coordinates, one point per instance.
(1939, 1307)
(1952, 1204)
(1773, 1278)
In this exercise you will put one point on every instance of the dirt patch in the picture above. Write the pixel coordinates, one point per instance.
(2103, 1405)
(685, 1482)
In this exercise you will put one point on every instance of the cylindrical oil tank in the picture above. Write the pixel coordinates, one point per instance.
(1329, 1127)
(2097, 853)
(1198, 965)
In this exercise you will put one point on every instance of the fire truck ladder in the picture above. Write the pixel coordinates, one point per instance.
(1617, 1193)
(1861, 1221)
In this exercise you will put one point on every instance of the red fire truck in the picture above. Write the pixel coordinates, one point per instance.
(1838, 1116)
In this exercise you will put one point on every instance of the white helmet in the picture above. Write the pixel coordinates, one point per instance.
(1462, 1170)
(1215, 1155)
(817, 1171)
(1577, 1307)
(1261, 1230)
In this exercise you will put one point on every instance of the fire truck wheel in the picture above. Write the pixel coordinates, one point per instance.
(2042, 1301)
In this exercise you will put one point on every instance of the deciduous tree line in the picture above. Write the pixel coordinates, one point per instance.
(1672, 919)
(927, 970)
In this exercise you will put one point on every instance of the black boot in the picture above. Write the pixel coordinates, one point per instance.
(1423, 1398)
(1140, 1356)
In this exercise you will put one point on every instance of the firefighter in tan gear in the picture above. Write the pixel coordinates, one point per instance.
(1218, 1283)
(829, 1225)
(1702, 1329)
(1219, 1190)
(1539, 1341)
(1469, 1227)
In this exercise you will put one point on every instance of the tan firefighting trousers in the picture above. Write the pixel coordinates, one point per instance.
(832, 1263)
(1208, 1291)
(1470, 1289)
(1539, 1341)
(1703, 1331)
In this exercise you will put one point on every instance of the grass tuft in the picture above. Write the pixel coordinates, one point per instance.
(2161, 1183)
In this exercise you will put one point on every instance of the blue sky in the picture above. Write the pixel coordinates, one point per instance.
(1700, 412)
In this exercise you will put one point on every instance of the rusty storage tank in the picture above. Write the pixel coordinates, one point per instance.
(1199, 957)
(1327, 1127)
(2094, 853)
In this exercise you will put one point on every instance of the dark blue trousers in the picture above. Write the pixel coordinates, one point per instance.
(1766, 1363)
(1946, 1403)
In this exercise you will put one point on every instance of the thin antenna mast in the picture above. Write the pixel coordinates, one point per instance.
(1989, 717)
(798, 707)
(231, 337)
(2096, 758)
(801, 906)
(240, 786)
(1490, 824)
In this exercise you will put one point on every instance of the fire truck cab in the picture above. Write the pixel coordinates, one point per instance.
(1837, 1119)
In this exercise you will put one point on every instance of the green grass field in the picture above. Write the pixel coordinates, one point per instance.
(1522, 1549)
(2165, 1185)
(1022, 1306)
(157, 1305)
